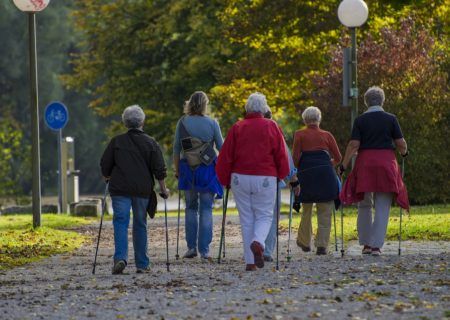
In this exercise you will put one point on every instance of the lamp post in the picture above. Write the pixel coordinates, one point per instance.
(353, 14)
(31, 7)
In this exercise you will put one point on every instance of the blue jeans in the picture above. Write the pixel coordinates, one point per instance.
(198, 220)
(121, 219)
(271, 239)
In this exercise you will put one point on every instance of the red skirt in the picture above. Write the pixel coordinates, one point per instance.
(375, 171)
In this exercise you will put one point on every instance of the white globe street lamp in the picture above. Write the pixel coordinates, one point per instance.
(31, 7)
(352, 14)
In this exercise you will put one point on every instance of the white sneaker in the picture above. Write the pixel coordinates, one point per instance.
(376, 252)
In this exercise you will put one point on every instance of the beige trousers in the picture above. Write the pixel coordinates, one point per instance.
(324, 224)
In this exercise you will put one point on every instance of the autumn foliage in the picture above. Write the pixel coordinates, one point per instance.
(406, 63)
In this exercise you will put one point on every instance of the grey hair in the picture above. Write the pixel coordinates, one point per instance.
(256, 102)
(197, 103)
(374, 96)
(133, 117)
(312, 115)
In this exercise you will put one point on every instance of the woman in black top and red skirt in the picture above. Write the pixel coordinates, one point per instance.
(375, 178)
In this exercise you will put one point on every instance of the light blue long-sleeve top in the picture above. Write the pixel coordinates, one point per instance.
(201, 127)
(292, 170)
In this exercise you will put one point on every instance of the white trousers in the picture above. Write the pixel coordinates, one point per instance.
(255, 199)
(372, 230)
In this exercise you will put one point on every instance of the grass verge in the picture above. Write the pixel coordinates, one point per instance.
(424, 223)
(20, 244)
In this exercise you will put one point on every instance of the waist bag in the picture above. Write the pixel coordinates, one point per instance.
(195, 150)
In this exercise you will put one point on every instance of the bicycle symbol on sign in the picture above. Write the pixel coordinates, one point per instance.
(56, 116)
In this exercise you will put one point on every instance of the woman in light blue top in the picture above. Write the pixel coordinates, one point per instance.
(200, 183)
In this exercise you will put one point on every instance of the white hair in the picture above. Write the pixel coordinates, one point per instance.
(133, 117)
(256, 102)
(374, 96)
(311, 115)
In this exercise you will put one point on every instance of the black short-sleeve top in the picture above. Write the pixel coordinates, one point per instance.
(376, 130)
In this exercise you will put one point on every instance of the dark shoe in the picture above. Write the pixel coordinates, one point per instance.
(250, 267)
(258, 250)
(119, 266)
(321, 251)
(367, 250)
(305, 249)
(143, 270)
(191, 253)
(268, 258)
(376, 252)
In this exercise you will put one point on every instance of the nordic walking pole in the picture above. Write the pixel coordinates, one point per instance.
(401, 214)
(164, 196)
(278, 224)
(224, 215)
(291, 200)
(177, 256)
(342, 230)
(335, 231)
(101, 224)
(226, 207)
(342, 222)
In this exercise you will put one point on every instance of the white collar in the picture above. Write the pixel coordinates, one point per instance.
(374, 109)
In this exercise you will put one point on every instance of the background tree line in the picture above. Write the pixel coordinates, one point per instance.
(157, 52)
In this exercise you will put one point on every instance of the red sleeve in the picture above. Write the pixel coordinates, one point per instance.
(280, 152)
(225, 159)
(334, 149)
(296, 149)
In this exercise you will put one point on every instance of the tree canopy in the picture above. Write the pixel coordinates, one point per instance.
(155, 53)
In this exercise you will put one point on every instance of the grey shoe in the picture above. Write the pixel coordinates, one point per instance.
(143, 270)
(206, 258)
(191, 253)
(119, 266)
(268, 259)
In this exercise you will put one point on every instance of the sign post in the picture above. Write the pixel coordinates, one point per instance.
(56, 118)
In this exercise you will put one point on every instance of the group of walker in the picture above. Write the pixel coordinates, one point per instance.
(254, 162)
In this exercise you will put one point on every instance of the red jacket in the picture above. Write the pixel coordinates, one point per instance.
(253, 146)
(375, 171)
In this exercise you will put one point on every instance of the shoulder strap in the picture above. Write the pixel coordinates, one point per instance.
(184, 133)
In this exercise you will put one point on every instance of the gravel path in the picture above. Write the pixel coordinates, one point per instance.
(414, 286)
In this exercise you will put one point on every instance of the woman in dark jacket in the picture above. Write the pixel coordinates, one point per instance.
(130, 162)
(376, 178)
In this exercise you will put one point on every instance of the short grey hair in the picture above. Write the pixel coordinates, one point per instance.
(374, 96)
(197, 103)
(133, 117)
(312, 115)
(256, 102)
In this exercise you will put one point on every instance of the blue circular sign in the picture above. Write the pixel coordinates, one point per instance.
(56, 115)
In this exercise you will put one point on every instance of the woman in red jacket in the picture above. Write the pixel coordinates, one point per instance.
(252, 159)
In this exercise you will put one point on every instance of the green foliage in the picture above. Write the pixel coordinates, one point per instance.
(56, 39)
(156, 53)
(14, 164)
(151, 53)
(20, 244)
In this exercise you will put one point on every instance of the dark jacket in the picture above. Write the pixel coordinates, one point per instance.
(318, 180)
(132, 160)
